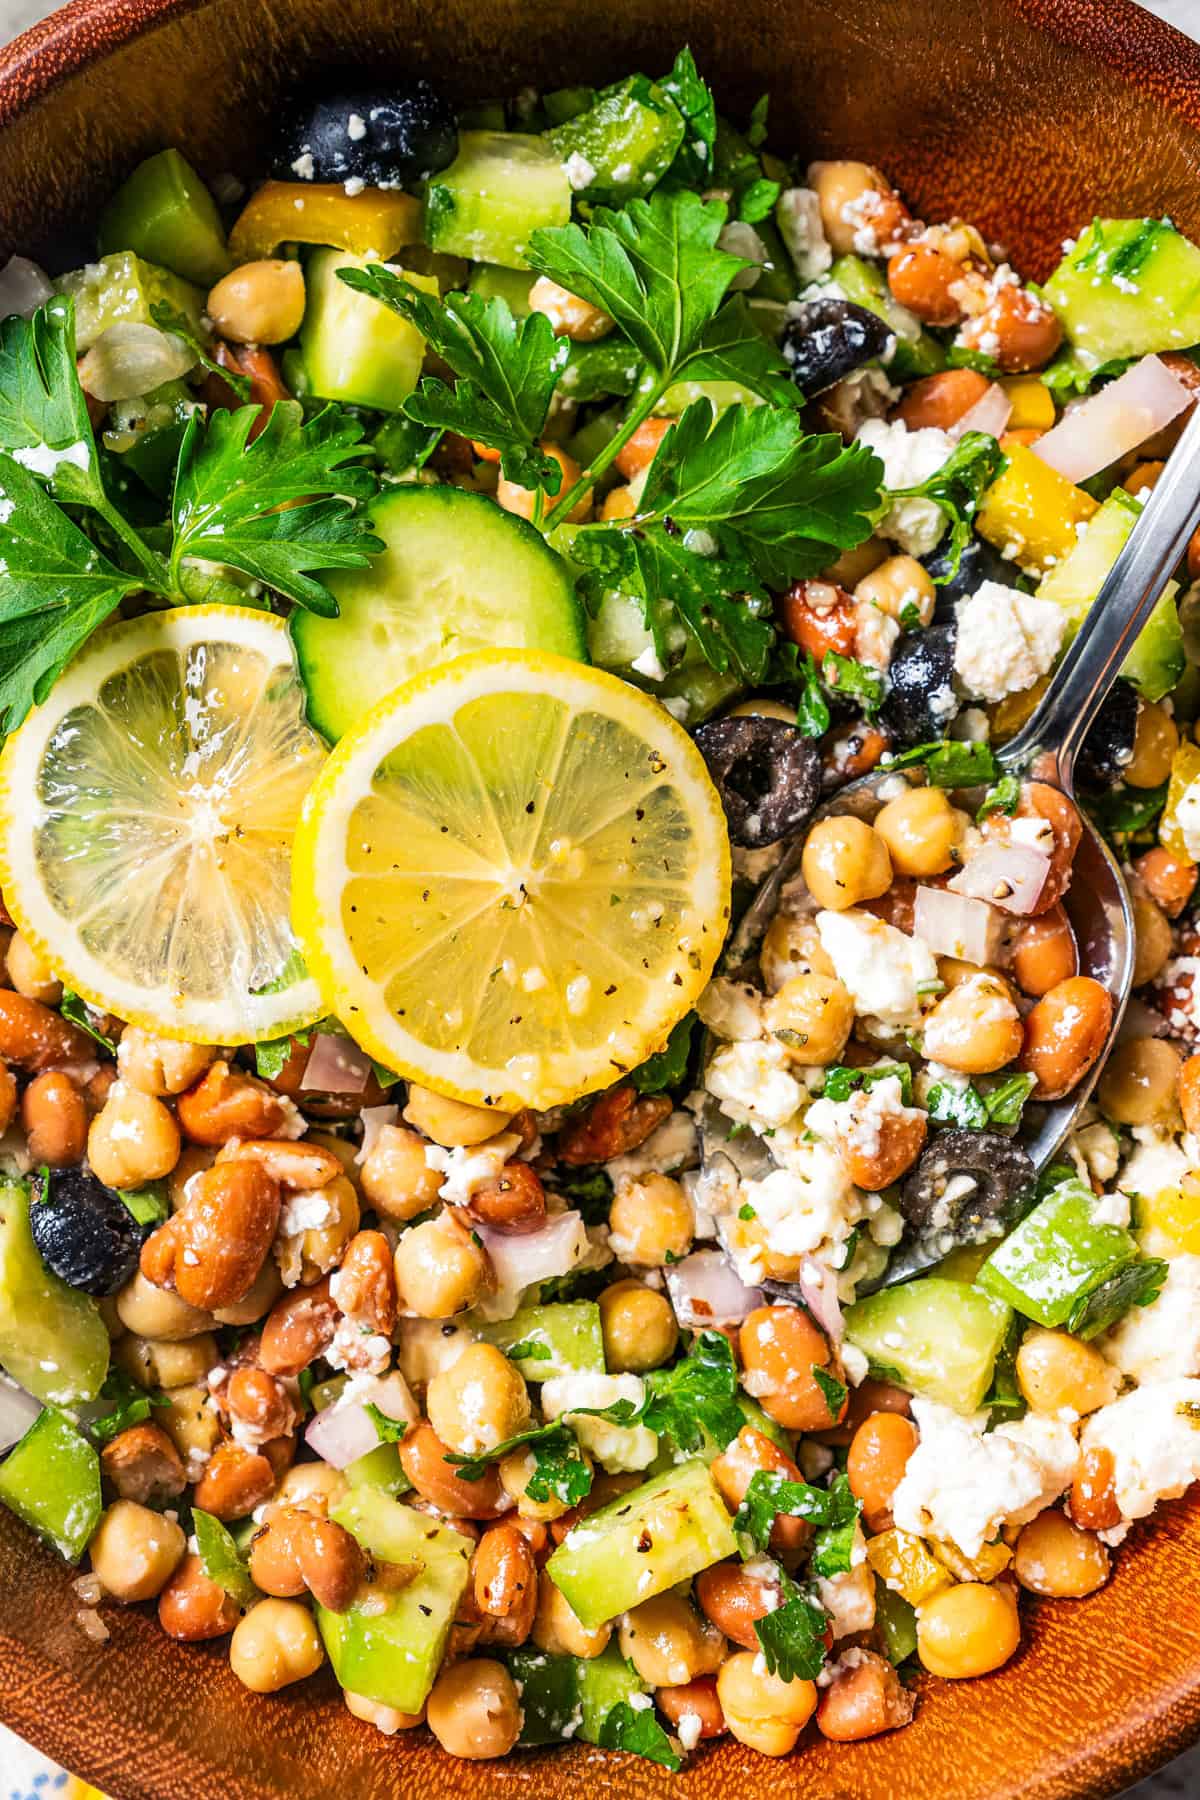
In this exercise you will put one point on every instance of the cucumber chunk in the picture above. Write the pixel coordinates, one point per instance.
(458, 574)
(568, 1333)
(501, 186)
(52, 1338)
(604, 1681)
(491, 282)
(1129, 286)
(618, 636)
(917, 352)
(165, 213)
(642, 1542)
(628, 138)
(121, 289)
(1157, 659)
(934, 1337)
(389, 1646)
(549, 1688)
(381, 1469)
(52, 1482)
(354, 349)
(1056, 1256)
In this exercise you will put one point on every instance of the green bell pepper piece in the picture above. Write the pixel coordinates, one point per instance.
(1056, 1256)
(51, 1481)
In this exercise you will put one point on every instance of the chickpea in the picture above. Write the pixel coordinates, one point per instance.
(135, 1551)
(734, 1597)
(780, 1346)
(311, 1488)
(621, 503)
(650, 1221)
(395, 1177)
(516, 1471)
(922, 831)
(258, 303)
(276, 1644)
(192, 1159)
(388, 1719)
(440, 1270)
(845, 862)
(1169, 880)
(190, 1421)
(641, 447)
(792, 946)
(558, 1632)
(1064, 1034)
(762, 1710)
(1155, 741)
(570, 316)
(258, 1300)
(423, 1459)
(133, 1139)
(54, 1115)
(520, 500)
(864, 1698)
(1059, 1373)
(816, 1013)
(473, 1710)
(854, 196)
(1044, 952)
(967, 1630)
(167, 1363)
(1152, 945)
(852, 565)
(669, 1642)
(1056, 1558)
(193, 1608)
(639, 1327)
(941, 400)
(694, 1700)
(879, 1453)
(160, 1065)
(898, 585)
(30, 974)
(975, 1028)
(479, 1401)
(1093, 1491)
(158, 1313)
(452, 1123)
(319, 1249)
(1139, 1081)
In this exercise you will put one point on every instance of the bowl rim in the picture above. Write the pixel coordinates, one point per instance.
(1124, 38)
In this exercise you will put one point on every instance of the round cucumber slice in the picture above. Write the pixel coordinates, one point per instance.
(458, 574)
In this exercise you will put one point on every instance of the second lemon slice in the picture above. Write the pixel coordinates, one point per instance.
(512, 878)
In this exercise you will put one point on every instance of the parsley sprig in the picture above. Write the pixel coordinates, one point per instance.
(957, 488)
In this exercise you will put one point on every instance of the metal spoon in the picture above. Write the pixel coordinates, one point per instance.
(1097, 901)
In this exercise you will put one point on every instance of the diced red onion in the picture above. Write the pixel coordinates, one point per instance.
(131, 359)
(374, 1118)
(990, 413)
(336, 1065)
(819, 1286)
(956, 925)
(1010, 876)
(18, 1410)
(522, 1259)
(23, 288)
(706, 1289)
(344, 1431)
(1116, 420)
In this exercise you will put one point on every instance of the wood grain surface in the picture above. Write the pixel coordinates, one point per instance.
(1027, 116)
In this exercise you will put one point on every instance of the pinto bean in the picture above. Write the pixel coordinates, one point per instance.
(612, 1126)
(211, 1251)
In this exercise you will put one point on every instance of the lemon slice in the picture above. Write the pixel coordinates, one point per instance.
(512, 878)
(147, 810)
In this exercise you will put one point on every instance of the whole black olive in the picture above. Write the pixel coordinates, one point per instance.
(1108, 746)
(967, 1186)
(826, 340)
(767, 773)
(392, 136)
(978, 563)
(84, 1232)
(921, 699)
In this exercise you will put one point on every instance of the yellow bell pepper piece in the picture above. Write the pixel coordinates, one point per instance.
(1032, 403)
(1185, 768)
(902, 1561)
(1030, 511)
(991, 1561)
(1006, 717)
(1168, 1223)
(376, 222)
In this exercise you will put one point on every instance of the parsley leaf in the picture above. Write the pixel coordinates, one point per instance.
(958, 487)
(771, 1493)
(149, 1205)
(560, 1471)
(756, 130)
(637, 1730)
(757, 202)
(219, 1555)
(228, 492)
(833, 1391)
(1125, 810)
(590, 1195)
(833, 1544)
(668, 1066)
(1137, 1284)
(953, 763)
(128, 1404)
(1001, 798)
(853, 680)
(792, 1638)
(77, 1011)
(812, 712)
(693, 164)
(948, 1104)
(505, 370)
(530, 1350)
(696, 1400)
(44, 423)
(841, 1082)
(168, 319)
(1006, 1102)
(387, 1429)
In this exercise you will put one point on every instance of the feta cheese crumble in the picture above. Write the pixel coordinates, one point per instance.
(964, 1485)
(909, 458)
(883, 968)
(1006, 640)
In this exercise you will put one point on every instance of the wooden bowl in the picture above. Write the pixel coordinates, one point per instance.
(1026, 116)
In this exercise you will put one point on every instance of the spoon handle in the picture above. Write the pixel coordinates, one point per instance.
(1133, 585)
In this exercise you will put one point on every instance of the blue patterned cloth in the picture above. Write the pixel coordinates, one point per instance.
(25, 1774)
